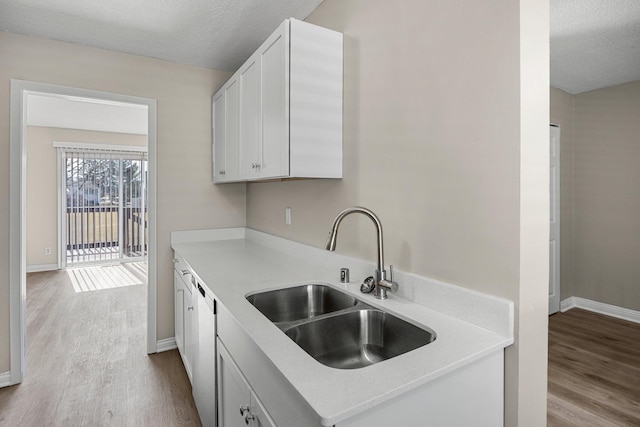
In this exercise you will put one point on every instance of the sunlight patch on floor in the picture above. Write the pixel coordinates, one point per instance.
(97, 278)
(139, 269)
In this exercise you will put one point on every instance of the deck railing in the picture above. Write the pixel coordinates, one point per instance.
(94, 231)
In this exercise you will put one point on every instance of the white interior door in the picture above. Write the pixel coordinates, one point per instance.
(554, 226)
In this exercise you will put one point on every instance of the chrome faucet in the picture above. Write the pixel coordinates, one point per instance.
(381, 284)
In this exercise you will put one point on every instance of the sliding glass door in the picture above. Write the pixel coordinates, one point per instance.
(104, 218)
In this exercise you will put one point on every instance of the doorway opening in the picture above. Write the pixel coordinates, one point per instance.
(554, 219)
(21, 91)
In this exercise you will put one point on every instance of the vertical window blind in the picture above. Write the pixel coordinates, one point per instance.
(104, 204)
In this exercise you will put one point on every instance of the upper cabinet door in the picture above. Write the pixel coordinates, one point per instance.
(232, 128)
(274, 61)
(225, 132)
(219, 140)
(250, 132)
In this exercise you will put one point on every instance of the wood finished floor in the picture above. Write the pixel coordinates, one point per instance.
(87, 363)
(594, 370)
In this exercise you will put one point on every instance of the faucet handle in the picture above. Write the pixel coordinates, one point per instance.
(390, 284)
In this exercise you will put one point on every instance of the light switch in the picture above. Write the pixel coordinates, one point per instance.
(287, 216)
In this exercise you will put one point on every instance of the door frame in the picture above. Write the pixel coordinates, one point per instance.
(554, 194)
(20, 89)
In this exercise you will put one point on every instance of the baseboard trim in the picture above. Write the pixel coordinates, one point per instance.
(5, 379)
(41, 267)
(166, 344)
(600, 307)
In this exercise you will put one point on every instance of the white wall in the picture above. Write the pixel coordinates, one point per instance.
(562, 114)
(599, 198)
(606, 219)
(186, 197)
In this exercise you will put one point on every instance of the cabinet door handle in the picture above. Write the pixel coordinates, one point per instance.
(190, 308)
(180, 290)
(221, 172)
(248, 417)
(184, 272)
(243, 410)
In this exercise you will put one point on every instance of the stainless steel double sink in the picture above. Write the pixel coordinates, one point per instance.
(337, 329)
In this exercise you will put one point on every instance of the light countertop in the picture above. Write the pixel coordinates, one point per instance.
(233, 263)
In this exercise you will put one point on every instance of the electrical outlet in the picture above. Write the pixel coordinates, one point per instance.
(47, 251)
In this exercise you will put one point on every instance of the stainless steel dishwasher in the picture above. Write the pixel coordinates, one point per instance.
(204, 351)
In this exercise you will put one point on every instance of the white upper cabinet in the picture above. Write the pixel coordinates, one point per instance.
(289, 113)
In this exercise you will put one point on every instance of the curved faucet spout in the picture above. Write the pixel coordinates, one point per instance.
(331, 242)
(381, 275)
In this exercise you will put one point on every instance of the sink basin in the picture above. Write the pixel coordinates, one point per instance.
(300, 302)
(337, 329)
(358, 338)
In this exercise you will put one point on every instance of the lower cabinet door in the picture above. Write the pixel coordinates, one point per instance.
(238, 406)
(179, 311)
(234, 395)
(187, 310)
(182, 324)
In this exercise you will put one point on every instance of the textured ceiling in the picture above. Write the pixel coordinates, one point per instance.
(594, 43)
(217, 34)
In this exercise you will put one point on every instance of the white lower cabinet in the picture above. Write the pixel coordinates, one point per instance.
(195, 332)
(183, 314)
(469, 396)
(247, 377)
(238, 405)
